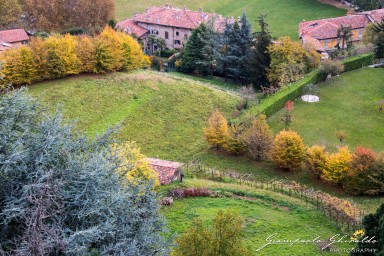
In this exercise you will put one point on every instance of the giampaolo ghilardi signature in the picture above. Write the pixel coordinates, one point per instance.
(336, 239)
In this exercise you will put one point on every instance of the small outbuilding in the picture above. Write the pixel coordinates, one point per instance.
(168, 171)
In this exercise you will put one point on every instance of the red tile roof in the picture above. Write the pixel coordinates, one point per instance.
(129, 26)
(172, 17)
(313, 42)
(14, 35)
(375, 15)
(327, 28)
(167, 170)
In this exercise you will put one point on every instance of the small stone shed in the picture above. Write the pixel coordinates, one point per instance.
(168, 171)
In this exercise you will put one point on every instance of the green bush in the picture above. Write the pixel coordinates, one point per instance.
(167, 53)
(271, 105)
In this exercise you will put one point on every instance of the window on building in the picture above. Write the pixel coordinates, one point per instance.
(185, 36)
(177, 42)
(155, 32)
(177, 33)
(166, 35)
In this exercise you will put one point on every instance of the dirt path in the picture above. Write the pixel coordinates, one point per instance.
(338, 4)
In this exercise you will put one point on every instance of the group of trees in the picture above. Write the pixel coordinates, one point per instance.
(62, 194)
(224, 237)
(360, 172)
(56, 15)
(244, 56)
(59, 56)
(367, 5)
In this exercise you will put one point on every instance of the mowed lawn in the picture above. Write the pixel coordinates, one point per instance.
(265, 213)
(348, 103)
(165, 116)
(283, 16)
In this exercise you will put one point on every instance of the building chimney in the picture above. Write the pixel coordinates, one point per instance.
(136, 14)
(349, 13)
(200, 9)
(185, 8)
(167, 6)
(146, 10)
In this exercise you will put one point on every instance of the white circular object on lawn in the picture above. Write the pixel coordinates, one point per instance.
(310, 98)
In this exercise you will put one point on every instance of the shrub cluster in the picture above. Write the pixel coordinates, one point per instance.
(63, 55)
(192, 192)
(361, 172)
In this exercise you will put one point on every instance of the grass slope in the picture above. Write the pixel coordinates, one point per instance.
(283, 16)
(347, 102)
(165, 116)
(265, 213)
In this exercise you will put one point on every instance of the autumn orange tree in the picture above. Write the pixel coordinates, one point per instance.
(288, 150)
(59, 16)
(259, 139)
(337, 165)
(216, 133)
(361, 167)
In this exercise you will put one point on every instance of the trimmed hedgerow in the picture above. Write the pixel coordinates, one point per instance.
(358, 62)
(272, 104)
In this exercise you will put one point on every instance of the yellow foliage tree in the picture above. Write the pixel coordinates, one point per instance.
(337, 165)
(288, 150)
(134, 166)
(316, 160)
(133, 56)
(290, 61)
(217, 132)
(235, 143)
(86, 53)
(40, 58)
(259, 139)
(18, 66)
(109, 51)
(60, 54)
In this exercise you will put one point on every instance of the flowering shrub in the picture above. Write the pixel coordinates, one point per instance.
(192, 192)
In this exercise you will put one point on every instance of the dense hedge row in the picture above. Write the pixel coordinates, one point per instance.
(59, 56)
(272, 104)
(358, 62)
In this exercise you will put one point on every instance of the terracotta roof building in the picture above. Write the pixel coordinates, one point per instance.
(323, 33)
(12, 38)
(174, 25)
(168, 171)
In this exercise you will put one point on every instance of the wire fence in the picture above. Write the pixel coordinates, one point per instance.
(347, 216)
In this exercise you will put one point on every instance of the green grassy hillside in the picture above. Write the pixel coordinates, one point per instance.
(347, 102)
(265, 213)
(283, 16)
(164, 115)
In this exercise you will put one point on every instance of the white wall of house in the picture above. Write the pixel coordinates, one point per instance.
(174, 37)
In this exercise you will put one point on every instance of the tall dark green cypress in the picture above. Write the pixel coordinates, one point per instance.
(259, 58)
(193, 50)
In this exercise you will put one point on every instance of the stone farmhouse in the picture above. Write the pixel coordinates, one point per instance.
(174, 25)
(323, 33)
(12, 38)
